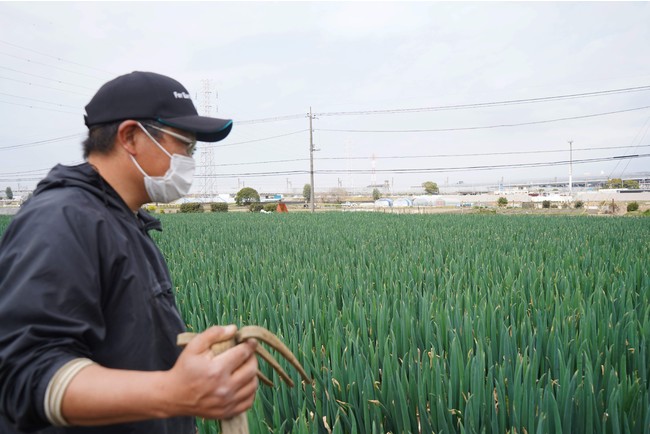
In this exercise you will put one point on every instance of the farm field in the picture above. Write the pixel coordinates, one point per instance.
(426, 324)
(430, 323)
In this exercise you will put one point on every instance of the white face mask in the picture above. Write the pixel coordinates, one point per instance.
(177, 180)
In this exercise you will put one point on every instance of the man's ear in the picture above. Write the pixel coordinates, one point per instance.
(126, 134)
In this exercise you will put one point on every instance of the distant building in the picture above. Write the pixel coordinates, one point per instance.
(271, 197)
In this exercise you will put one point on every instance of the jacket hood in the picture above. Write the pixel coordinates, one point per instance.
(85, 176)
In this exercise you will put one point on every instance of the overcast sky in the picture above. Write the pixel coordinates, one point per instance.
(269, 60)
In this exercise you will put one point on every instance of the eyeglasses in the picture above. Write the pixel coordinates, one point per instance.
(191, 144)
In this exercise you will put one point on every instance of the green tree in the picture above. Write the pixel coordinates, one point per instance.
(9, 193)
(430, 187)
(619, 183)
(306, 192)
(247, 195)
(614, 183)
(376, 194)
(502, 201)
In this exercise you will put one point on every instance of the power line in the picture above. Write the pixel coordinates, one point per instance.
(49, 66)
(291, 160)
(638, 145)
(31, 175)
(40, 108)
(57, 58)
(39, 142)
(47, 87)
(38, 171)
(273, 119)
(488, 104)
(486, 126)
(38, 100)
(45, 141)
(20, 179)
(402, 171)
(482, 154)
(26, 172)
(260, 174)
(45, 78)
(258, 140)
(435, 169)
(489, 167)
(449, 107)
(419, 157)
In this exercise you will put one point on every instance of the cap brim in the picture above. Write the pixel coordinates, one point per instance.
(205, 129)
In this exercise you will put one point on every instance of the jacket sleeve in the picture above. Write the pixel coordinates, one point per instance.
(50, 304)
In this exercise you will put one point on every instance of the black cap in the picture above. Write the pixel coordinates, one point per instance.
(147, 95)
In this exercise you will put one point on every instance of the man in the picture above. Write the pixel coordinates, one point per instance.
(88, 320)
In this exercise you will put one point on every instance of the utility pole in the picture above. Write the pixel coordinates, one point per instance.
(311, 161)
(207, 152)
(571, 167)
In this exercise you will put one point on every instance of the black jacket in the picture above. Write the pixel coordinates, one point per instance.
(80, 277)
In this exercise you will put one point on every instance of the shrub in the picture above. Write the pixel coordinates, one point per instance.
(219, 207)
(502, 201)
(632, 206)
(609, 207)
(255, 207)
(191, 207)
(579, 204)
(270, 207)
(546, 204)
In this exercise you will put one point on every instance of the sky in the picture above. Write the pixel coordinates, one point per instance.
(384, 81)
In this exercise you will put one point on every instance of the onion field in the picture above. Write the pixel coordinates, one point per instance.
(431, 324)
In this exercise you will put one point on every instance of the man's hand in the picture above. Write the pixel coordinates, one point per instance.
(199, 384)
(214, 387)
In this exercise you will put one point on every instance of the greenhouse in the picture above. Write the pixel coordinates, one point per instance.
(384, 202)
(403, 202)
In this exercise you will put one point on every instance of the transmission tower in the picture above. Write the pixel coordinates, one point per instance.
(208, 103)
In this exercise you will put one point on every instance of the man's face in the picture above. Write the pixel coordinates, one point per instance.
(152, 159)
(186, 138)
